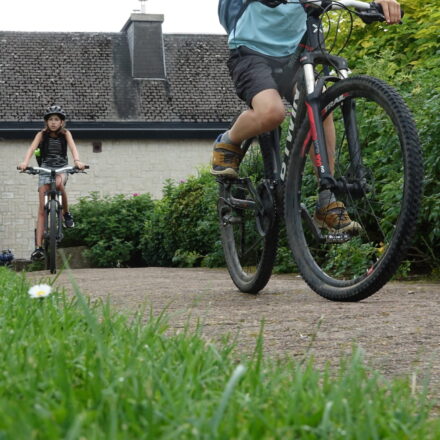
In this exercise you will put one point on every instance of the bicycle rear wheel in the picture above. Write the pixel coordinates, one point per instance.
(248, 221)
(379, 166)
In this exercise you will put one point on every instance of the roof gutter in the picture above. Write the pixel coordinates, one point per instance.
(121, 130)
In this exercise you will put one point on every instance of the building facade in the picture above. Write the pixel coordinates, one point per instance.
(143, 107)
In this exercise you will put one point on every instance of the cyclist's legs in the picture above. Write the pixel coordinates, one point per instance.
(266, 114)
(40, 217)
(60, 181)
(253, 76)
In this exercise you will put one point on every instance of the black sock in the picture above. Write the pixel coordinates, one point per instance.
(325, 197)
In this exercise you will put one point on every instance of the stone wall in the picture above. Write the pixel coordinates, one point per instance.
(123, 167)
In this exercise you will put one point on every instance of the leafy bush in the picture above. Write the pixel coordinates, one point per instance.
(414, 44)
(284, 262)
(183, 230)
(111, 228)
(421, 91)
(408, 58)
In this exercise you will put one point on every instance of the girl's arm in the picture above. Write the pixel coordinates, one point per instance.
(74, 151)
(37, 140)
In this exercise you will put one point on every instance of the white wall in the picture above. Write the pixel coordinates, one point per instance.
(125, 167)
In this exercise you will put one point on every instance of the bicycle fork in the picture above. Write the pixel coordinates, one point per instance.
(314, 89)
(353, 184)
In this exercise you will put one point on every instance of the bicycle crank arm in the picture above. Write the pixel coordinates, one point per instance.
(239, 203)
(311, 224)
(231, 220)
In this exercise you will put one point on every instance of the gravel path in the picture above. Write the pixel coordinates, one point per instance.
(398, 327)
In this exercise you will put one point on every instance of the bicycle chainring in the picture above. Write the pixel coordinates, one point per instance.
(266, 214)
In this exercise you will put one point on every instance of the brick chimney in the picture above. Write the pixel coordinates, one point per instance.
(145, 41)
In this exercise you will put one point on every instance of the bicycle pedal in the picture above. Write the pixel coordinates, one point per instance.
(338, 238)
(232, 220)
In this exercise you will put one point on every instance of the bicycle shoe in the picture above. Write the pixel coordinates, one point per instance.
(38, 254)
(334, 217)
(226, 159)
(68, 220)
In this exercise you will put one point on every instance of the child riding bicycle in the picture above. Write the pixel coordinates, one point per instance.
(51, 145)
(262, 39)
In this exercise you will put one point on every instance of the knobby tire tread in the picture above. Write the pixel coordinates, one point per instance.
(406, 224)
(53, 213)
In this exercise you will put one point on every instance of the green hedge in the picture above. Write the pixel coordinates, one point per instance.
(111, 228)
(183, 229)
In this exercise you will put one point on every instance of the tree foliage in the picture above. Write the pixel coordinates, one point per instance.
(414, 43)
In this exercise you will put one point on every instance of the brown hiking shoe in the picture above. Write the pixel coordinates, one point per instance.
(226, 159)
(334, 217)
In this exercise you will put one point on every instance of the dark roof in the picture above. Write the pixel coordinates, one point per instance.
(89, 74)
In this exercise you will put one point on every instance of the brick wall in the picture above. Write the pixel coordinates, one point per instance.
(123, 166)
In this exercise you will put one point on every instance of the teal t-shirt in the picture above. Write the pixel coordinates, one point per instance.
(270, 31)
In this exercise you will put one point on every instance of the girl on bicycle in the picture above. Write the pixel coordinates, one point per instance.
(262, 39)
(51, 145)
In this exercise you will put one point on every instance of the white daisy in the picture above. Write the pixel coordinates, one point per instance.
(40, 291)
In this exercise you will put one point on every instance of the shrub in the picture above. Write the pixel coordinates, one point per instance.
(420, 88)
(111, 228)
(407, 57)
(183, 230)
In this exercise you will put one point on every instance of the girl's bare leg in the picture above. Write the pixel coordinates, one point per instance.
(61, 188)
(40, 216)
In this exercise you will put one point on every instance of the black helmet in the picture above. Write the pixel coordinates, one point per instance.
(55, 110)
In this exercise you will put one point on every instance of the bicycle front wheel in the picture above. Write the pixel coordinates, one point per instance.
(378, 167)
(248, 221)
(51, 248)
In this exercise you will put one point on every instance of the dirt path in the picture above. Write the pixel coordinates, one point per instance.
(398, 327)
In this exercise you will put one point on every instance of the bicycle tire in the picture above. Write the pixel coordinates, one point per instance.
(53, 231)
(393, 170)
(249, 239)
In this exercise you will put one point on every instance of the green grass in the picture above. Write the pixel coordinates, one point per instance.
(74, 370)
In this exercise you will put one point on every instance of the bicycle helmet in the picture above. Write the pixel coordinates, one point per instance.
(55, 110)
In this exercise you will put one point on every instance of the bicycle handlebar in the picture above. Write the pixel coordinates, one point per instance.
(368, 12)
(68, 169)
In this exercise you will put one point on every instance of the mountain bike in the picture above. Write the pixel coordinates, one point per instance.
(53, 209)
(376, 172)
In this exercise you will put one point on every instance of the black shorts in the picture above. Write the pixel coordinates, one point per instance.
(252, 73)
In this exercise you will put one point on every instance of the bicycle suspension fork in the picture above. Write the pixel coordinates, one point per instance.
(314, 91)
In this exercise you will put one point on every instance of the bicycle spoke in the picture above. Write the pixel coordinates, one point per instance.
(373, 175)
